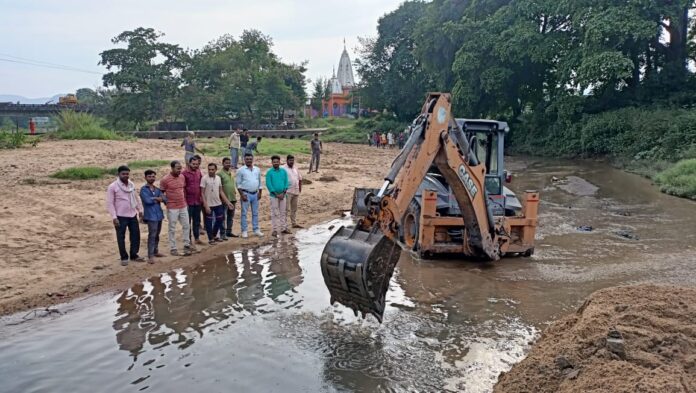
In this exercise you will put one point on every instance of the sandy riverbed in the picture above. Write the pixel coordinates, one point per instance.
(57, 240)
(651, 347)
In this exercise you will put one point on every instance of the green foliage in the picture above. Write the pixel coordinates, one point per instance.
(680, 180)
(358, 130)
(633, 133)
(80, 125)
(268, 146)
(232, 79)
(145, 75)
(91, 172)
(80, 173)
(13, 139)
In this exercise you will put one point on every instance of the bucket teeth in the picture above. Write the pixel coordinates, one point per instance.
(357, 266)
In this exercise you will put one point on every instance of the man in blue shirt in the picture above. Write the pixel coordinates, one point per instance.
(249, 188)
(152, 198)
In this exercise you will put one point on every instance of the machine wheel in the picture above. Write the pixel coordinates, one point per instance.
(528, 253)
(410, 226)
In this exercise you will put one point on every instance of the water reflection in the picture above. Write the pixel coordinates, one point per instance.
(179, 307)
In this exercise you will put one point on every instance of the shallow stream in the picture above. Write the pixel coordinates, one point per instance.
(258, 320)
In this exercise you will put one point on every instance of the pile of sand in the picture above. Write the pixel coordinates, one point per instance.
(625, 339)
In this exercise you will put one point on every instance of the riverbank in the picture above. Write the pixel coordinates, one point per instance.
(622, 339)
(57, 241)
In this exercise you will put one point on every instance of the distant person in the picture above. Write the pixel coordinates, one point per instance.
(125, 209)
(316, 147)
(173, 186)
(214, 203)
(376, 138)
(294, 189)
(249, 188)
(383, 141)
(244, 140)
(192, 175)
(234, 144)
(229, 186)
(253, 146)
(277, 185)
(189, 144)
(152, 198)
(390, 139)
(369, 139)
(401, 140)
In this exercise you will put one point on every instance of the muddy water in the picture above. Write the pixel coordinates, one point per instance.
(259, 320)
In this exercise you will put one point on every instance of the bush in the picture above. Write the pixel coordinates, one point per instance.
(631, 133)
(80, 173)
(679, 180)
(12, 139)
(78, 125)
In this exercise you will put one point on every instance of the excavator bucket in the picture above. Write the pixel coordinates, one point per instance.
(357, 266)
(359, 207)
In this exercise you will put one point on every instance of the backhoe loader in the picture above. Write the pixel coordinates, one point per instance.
(443, 195)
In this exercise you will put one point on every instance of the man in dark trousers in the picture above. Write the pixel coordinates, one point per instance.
(243, 141)
(317, 148)
(125, 209)
(192, 191)
(152, 199)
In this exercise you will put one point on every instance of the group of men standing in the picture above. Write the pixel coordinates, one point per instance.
(387, 140)
(189, 194)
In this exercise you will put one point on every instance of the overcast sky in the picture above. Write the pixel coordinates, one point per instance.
(74, 32)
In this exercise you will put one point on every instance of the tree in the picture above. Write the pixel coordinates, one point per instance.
(233, 79)
(144, 74)
(392, 77)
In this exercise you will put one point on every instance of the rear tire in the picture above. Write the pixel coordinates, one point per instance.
(528, 253)
(410, 226)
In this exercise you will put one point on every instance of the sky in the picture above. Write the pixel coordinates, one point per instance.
(73, 33)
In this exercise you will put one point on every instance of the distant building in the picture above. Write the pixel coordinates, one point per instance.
(341, 85)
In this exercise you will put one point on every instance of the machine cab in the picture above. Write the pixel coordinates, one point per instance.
(487, 138)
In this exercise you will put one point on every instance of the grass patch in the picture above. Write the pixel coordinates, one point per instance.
(92, 172)
(80, 173)
(12, 139)
(679, 180)
(74, 125)
(268, 146)
(147, 164)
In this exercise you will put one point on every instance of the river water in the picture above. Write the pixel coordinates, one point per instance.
(258, 320)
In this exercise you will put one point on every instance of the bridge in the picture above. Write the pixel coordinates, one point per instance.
(30, 110)
(286, 134)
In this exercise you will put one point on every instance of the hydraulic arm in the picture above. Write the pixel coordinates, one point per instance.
(357, 263)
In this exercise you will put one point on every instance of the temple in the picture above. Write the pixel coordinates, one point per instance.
(341, 100)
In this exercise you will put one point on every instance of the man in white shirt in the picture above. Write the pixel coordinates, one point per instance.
(249, 188)
(213, 197)
(293, 193)
(234, 144)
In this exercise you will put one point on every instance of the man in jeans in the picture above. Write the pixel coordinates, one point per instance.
(249, 187)
(277, 186)
(294, 190)
(152, 199)
(234, 145)
(317, 147)
(192, 175)
(229, 186)
(125, 208)
(214, 203)
(173, 186)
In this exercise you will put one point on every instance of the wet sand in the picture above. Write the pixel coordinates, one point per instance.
(56, 238)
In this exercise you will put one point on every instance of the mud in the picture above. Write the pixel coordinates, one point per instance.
(626, 339)
(258, 318)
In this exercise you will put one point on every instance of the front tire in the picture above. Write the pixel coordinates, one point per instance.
(410, 226)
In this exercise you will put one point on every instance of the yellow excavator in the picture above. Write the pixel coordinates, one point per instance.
(444, 195)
